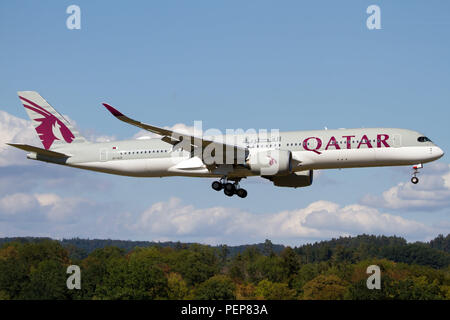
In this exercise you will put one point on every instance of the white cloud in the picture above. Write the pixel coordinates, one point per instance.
(321, 219)
(359, 219)
(15, 130)
(49, 206)
(431, 193)
(17, 203)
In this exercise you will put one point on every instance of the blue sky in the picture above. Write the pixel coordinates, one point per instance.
(288, 65)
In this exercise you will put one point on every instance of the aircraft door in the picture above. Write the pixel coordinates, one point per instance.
(103, 154)
(397, 140)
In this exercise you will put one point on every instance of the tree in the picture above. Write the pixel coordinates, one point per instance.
(306, 273)
(94, 270)
(237, 269)
(270, 268)
(176, 287)
(146, 281)
(196, 264)
(47, 282)
(218, 287)
(224, 251)
(324, 287)
(441, 243)
(290, 262)
(245, 291)
(268, 248)
(24, 264)
(13, 272)
(132, 279)
(274, 291)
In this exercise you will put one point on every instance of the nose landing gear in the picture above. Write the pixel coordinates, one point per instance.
(229, 188)
(416, 168)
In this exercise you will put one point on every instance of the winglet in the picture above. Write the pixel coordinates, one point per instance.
(114, 111)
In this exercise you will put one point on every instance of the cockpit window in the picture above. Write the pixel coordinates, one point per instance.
(423, 139)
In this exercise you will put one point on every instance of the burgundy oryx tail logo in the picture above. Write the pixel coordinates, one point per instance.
(51, 128)
(272, 161)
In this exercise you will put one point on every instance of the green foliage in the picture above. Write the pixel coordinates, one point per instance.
(218, 287)
(354, 249)
(132, 278)
(94, 270)
(197, 264)
(441, 243)
(177, 288)
(269, 290)
(47, 282)
(305, 274)
(36, 269)
(416, 253)
(325, 287)
(270, 268)
(24, 265)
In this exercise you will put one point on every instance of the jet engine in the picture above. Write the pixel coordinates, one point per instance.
(294, 180)
(270, 162)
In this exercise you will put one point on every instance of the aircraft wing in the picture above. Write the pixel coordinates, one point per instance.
(229, 151)
(37, 150)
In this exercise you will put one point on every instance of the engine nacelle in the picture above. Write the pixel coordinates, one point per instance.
(294, 180)
(270, 162)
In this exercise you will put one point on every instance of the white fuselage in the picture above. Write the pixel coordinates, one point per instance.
(319, 149)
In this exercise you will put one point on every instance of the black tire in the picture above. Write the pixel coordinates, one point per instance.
(415, 180)
(229, 187)
(242, 193)
(216, 185)
(228, 193)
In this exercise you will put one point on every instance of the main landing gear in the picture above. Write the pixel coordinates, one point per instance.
(229, 188)
(416, 168)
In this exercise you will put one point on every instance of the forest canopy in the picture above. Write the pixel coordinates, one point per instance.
(35, 268)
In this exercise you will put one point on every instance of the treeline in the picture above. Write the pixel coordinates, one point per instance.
(81, 248)
(434, 254)
(35, 268)
(353, 248)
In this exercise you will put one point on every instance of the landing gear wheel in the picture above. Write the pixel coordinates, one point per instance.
(415, 180)
(242, 193)
(228, 193)
(216, 185)
(230, 188)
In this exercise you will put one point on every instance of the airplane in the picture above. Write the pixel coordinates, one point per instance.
(287, 159)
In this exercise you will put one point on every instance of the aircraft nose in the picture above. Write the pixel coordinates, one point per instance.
(438, 152)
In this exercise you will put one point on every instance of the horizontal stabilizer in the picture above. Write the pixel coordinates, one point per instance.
(40, 151)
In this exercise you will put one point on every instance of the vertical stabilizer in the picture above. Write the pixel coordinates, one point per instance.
(52, 128)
